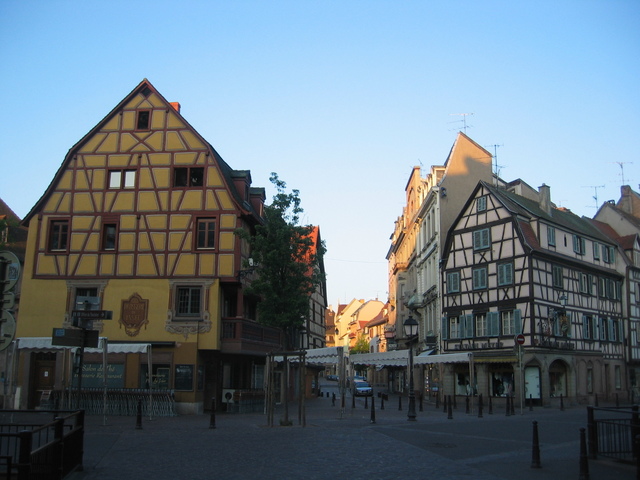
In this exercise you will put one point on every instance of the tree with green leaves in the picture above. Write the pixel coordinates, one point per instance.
(361, 345)
(288, 263)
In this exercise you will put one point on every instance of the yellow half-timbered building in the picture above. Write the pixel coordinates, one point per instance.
(139, 221)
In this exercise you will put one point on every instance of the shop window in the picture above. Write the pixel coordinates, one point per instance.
(501, 382)
(159, 379)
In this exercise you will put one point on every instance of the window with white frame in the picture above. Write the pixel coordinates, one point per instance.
(454, 327)
(587, 327)
(482, 328)
(507, 319)
(122, 179)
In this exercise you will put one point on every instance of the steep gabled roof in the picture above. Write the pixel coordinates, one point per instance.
(227, 172)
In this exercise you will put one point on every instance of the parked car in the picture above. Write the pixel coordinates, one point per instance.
(362, 389)
(333, 378)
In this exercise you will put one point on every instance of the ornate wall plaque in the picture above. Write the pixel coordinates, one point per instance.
(133, 314)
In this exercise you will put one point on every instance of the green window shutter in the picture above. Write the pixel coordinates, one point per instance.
(445, 328)
(517, 320)
(493, 320)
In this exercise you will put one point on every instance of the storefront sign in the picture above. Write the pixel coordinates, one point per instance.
(93, 375)
(134, 314)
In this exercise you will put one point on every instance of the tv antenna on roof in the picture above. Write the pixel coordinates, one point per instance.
(496, 167)
(595, 192)
(464, 120)
(621, 165)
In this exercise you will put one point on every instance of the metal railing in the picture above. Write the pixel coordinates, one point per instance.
(31, 449)
(612, 432)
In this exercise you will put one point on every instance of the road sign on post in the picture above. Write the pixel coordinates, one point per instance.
(520, 339)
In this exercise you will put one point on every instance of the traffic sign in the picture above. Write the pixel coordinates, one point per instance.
(520, 339)
(7, 329)
(70, 337)
(12, 271)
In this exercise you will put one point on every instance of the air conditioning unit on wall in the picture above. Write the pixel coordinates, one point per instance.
(227, 395)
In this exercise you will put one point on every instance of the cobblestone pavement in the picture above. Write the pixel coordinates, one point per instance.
(344, 442)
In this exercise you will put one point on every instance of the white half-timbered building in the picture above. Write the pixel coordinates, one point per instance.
(517, 269)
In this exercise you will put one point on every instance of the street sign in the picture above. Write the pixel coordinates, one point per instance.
(7, 329)
(520, 339)
(12, 272)
(69, 337)
(92, 314)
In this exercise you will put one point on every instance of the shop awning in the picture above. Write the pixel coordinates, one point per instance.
(400, 358)
(443, 358)
(320, 356)
(395, 358)
(44, 343)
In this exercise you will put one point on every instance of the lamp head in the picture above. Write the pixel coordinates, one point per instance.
(410, 327)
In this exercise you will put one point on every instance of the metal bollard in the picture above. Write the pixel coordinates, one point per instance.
(373, 410)
(513, 406)
(333, 400)
(444, 403)
(139, 415)
(535, 452)
(449, 411)
(584, 461)
(467, 405)
(353, 401)
(420, 405)
(480, 406)
(212, 421)
(490, 406)
(382, 402)
(437, 400)
(561, 403)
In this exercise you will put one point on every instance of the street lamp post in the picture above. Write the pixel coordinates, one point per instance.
(411, 331)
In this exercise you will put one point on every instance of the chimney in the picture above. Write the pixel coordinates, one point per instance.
(176, 106)
(545, 198)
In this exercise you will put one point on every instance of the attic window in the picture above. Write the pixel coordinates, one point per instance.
(142, 122)
(188, 177)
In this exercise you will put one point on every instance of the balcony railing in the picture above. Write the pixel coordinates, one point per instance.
(246, 336)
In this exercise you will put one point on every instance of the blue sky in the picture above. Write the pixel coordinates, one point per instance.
(340, 98)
